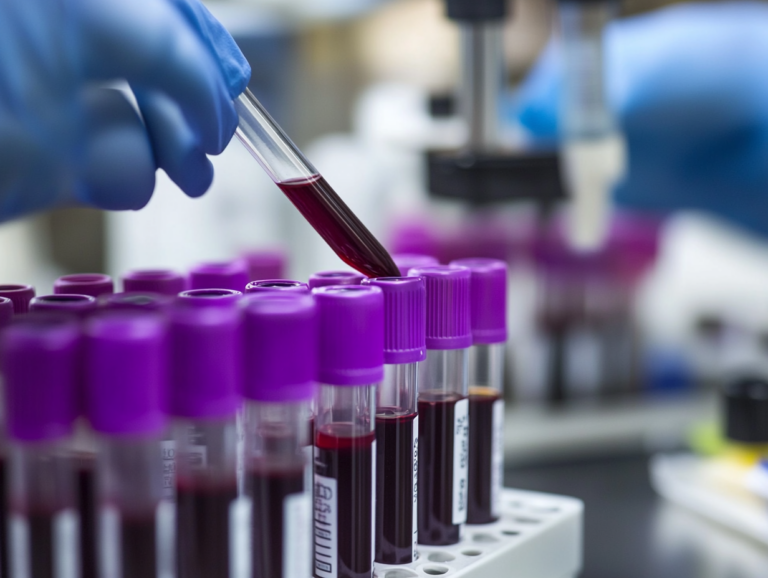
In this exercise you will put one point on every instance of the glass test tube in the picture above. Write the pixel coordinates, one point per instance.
(125, 369)
(280, 368)
(488, 312)
(397, 421)
(350, 369)
(443, 406)
(40, 361)
(205, 398)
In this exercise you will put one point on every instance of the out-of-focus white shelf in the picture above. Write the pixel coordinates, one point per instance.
(581, 429)
(537, 536)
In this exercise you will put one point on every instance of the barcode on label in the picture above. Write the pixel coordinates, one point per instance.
(460, 460)
(325, 510)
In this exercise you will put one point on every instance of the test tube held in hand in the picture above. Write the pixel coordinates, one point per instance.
(443, 406)
(351, 367)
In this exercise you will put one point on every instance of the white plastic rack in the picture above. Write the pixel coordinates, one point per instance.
(537, 536)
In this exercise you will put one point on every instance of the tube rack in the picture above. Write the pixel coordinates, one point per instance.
(537, 536)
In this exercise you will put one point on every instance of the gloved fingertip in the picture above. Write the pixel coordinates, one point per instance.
(196, 176)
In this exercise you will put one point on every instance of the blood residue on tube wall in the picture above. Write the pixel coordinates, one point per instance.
(480, 495)
(322, 207)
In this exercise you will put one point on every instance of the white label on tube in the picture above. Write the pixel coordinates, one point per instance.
(109, 543)
(497, 457)
(66, 545)
(240, 516)
(460, 460)
(240, 451)
(165, 538)
(325, 527)
(19, 547)
(168, 454)
(297, 535)
(415, 519)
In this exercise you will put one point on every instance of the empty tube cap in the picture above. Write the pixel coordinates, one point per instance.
(205, 360)
(404, 318)
(20, 296)
(277, 286)
(266, 264)
(126, 372)
(162, 281)
(79, 305)
(351, 329)
(6, 311)
(209, 297)
(93, 284)
(407, 261)
(488, 299)
(280, 347)
(448, 321)
(328, 278)
(136, 301)
(224, 275)
(41, 360)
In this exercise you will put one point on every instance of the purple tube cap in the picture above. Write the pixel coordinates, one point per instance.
(351, 329)
(41, 356)
(6, 311)
(162, 281)
(448, 310)
(79, 305)
(209, 298)
(277, 286)
(205, 361)
(488, 299)
(280, 341)
(265, 264)
(407, 261)
(404, 318)
(329, 278)
(93, 284)
(20, 296)
(126, 373)
(136, 301)
(222, 275)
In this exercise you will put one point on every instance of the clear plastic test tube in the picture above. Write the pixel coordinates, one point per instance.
(488, 313)
(351, 366)
(280, 369)
(443, 406)
(397, 421)
(126, 385)
(204, 344)
(40, 360)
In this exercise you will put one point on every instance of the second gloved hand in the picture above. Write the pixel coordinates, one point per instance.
(690, 88)
(65, 140)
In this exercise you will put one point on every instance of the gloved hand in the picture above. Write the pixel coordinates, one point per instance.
(689, 85)
(65, 139)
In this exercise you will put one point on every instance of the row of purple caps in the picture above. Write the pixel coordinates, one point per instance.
(126, 371)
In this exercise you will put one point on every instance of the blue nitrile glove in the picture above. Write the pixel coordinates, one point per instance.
(689, 84)
(66, 140)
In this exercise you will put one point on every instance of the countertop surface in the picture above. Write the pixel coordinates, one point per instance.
(630, 532)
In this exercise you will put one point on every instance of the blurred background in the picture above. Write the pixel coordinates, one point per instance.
(615, 354)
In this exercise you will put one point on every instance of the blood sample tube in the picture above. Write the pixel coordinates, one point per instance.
(6, 314)
(407, 261)
(162, 281)
(20, 296)
(488, 312)
(397, 424)
(280, 369)
(40, 359)
(77, 305)
(126, 385)
(277, 285)
(204, 344)
(93, 284)
(265, 264)
(328, 278)
(443, 406)
(223, 275)
(136, 301)
(350, 369)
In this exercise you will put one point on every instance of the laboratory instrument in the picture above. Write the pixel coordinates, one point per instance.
(443, 405)
(351, 367)
(162, 281)
(320, 205)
